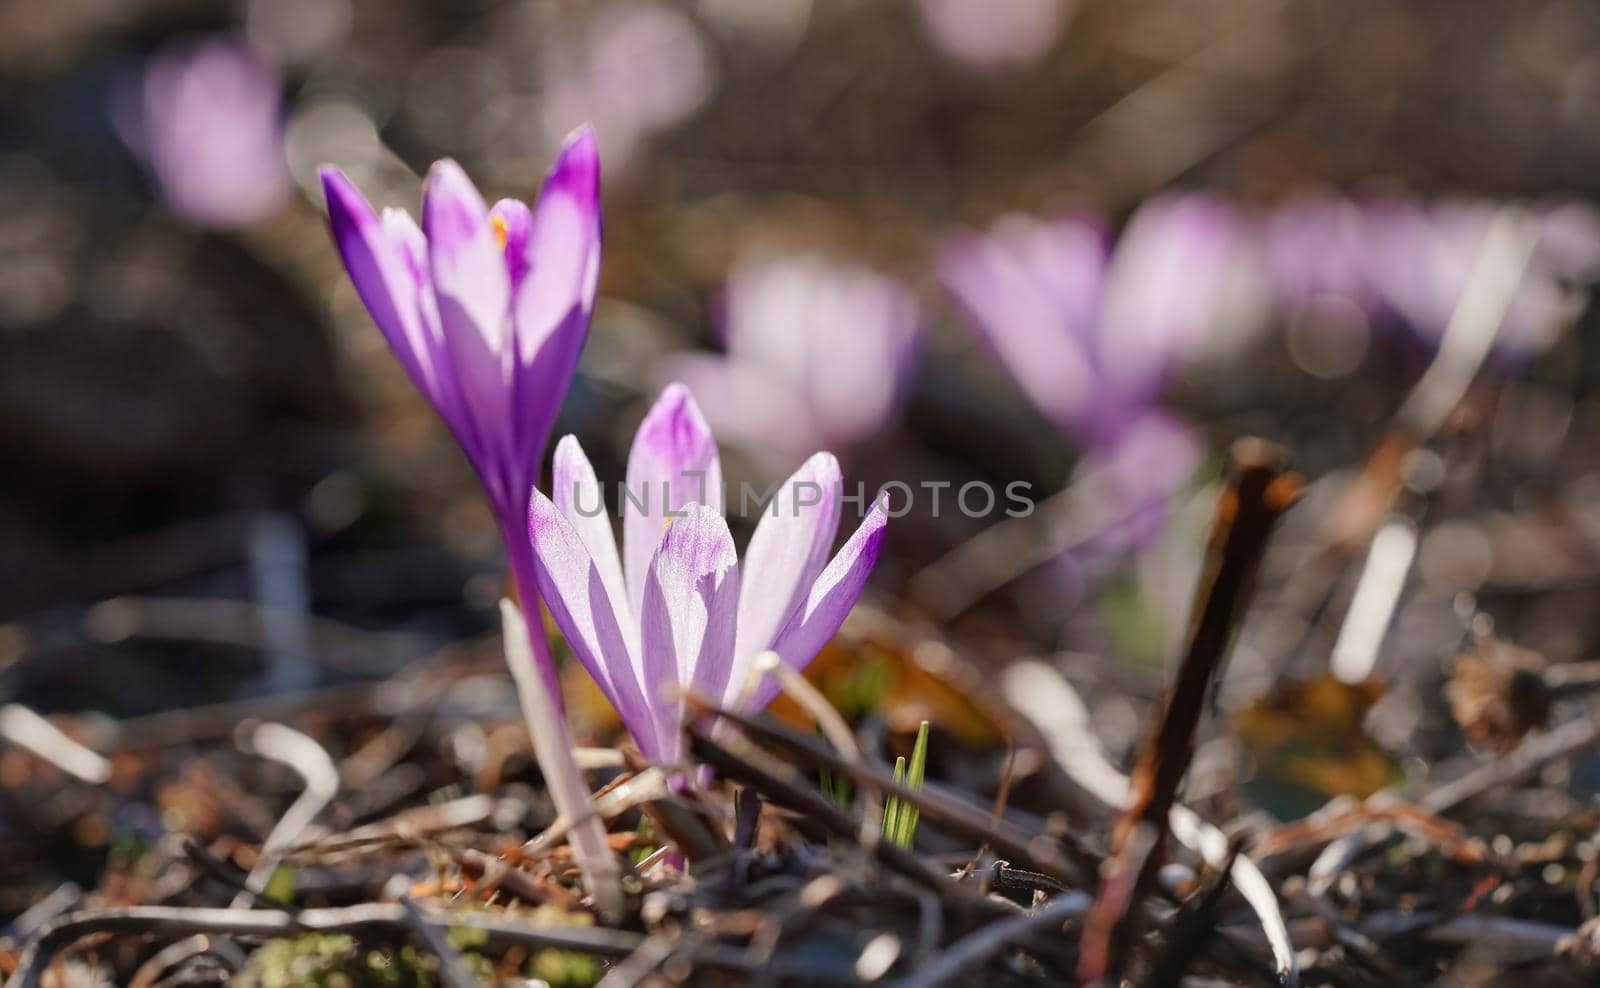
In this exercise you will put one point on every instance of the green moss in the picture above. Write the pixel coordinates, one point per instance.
(563, 968)
(333, 960)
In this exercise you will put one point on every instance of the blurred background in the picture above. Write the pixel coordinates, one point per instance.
(1077, 245)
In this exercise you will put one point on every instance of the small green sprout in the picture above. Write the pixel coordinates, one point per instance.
(899, 817)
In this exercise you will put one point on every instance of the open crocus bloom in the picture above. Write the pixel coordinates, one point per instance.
(487, 310)
(674, 609)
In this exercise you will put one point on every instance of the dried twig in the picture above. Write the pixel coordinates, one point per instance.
(1259, 491)
(833, 725)
(452, 970)
(977, 947)
(1187, 935)
(22, 727)
(288, 746)
(1530, 757)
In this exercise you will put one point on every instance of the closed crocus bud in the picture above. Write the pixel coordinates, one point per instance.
(487, 310)
(207, 121)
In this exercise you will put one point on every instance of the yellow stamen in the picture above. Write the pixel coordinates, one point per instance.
(498, 224)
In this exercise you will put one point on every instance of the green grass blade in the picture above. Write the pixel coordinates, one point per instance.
(916, 771)
(892, 807)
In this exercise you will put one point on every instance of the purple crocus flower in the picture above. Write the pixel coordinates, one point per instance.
(1091, 333)
(818, 355)
(674, 608)
(487, 310)
(208, 123)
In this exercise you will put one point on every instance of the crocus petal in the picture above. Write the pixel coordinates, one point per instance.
(440, 386)
(575, 592)
(385, 276)
(826, 606)
(473, 290)
(553, 302)
(737, 397)
(999, 283)
(672, 463)
(1152, 457)
(582, 503)
(691, 600)
(786, 553)
(862, 337)
(1167, 288)
(562, 249)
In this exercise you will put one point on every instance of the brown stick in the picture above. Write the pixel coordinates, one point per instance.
(1259, 491)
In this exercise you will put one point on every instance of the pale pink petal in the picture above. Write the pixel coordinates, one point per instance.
(555, 299)
(473, 291)
(787, 552)
(672, 463)
(832, 596)
(580, 499)
(691, 600)
(576, 594)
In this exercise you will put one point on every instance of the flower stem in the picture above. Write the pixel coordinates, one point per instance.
(553, 747)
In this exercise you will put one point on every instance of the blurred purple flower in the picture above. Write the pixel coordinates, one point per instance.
(674, 609)
(1421, 256)
(1091, 333)
(208, 123)
(995, 33)
(818, 354)
(638, 69)
(487, 311)
(1156, 454)
(1315, 249)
